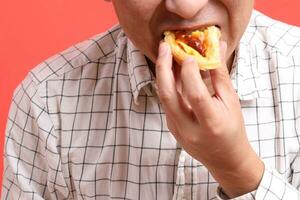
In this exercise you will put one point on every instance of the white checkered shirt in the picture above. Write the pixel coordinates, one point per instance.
(87, 123)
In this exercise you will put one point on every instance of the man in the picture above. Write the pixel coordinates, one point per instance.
(99, 121)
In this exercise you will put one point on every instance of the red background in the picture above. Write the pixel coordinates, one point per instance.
(33, 30)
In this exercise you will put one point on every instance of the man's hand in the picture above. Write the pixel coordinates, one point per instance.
(209, 128)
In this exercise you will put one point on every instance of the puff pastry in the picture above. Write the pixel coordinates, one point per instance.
(203, 45)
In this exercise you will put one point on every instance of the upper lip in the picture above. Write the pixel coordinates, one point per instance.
(189, 27)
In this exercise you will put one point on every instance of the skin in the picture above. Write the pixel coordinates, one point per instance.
(154, 17)
(209, 127)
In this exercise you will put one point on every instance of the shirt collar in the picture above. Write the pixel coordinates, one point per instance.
(249, 75)
(139, 72)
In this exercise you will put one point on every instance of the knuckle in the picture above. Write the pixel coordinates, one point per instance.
(235, 98)
(193, 139)
(158, 64)
(171, 126)
(165, 97)
(217, 131)
(195, 98)
(222, 73)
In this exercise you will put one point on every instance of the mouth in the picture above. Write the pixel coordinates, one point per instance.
(188, 29)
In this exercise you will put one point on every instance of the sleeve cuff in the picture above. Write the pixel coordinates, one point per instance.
(222, 196)
(273, 186)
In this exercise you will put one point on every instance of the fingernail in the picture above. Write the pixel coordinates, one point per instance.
(163, 49)
(189, 60)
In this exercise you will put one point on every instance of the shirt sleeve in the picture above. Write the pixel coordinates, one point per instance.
(273, 186)
(32, 165)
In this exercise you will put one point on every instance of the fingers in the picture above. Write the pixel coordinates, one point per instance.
(171, 126)
(220, 77)
(166, 85)
(195, 91)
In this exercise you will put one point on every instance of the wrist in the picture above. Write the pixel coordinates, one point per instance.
(243, 178)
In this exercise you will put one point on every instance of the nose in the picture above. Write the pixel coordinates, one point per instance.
(185, 8)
